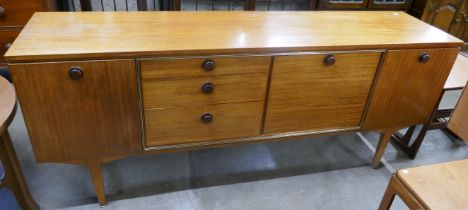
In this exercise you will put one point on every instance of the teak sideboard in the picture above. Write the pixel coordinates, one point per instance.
(95, 87)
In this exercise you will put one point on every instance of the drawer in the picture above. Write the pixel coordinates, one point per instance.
(319, 91)
(18, 12)
(203, 66)
(185, 125)
(204, 90)
(6, 38)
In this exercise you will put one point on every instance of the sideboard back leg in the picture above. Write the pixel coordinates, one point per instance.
(94, 167)
(14, 179)
(379, 151)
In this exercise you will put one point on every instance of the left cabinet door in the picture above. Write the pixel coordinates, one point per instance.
(79, 110)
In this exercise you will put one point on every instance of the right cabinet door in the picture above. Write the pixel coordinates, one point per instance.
(408, 87)
(319, 91)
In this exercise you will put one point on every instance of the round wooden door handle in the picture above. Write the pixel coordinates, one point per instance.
(2, 12)
(424, 58)
(329, 60)
(7, 46)
(209, 65)
(76, 73)
(207, 117)
(208, 87)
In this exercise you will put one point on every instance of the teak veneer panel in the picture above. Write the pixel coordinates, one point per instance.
(407, 90)
(180, 67)
(306, 94)
(459, 120)
(183, 125)
(188, 92)
(94, 117)
(438, 186)
(85, 35)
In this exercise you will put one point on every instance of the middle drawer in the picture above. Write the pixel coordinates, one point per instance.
(215, 89)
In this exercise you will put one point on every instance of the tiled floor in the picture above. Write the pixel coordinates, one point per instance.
(330, 172)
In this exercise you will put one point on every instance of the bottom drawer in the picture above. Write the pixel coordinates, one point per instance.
(185, 125)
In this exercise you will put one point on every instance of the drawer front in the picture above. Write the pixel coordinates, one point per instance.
(185, 125)
(6, 39)
(79, 110)
(308, 94)
(18, 12)
(203, 66)
(204, 90)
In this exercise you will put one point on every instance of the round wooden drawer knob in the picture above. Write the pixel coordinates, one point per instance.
(207, 117)
(424, 58)
(2, 12)
(209, 65)
(76, 73)
(329, 60)
(207, 87)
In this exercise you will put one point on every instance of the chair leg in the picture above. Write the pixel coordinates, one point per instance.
(94, 167)
(388, 197)
(380, 150)
(14, 179)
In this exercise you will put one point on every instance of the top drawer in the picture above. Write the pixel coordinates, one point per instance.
(182, 67)
(18, 12)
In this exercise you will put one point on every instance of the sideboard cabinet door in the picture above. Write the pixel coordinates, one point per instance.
(79, 110)
(409, 85)
(319, 91)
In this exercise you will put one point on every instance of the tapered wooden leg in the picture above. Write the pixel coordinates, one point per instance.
(14, 179)
(94, 167)
(388, 197)
(383, 142)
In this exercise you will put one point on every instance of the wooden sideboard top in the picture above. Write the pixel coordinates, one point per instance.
(94, 35)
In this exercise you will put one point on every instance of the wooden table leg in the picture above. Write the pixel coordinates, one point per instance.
(94, 167)
(14, 179)
(380, 150)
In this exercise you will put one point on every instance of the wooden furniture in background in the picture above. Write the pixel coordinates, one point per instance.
(438, 186)
(13, 16)
(233, 5)
(13, 179)
(109, 94)
(448, 15)
(458, 122)
(457, 80)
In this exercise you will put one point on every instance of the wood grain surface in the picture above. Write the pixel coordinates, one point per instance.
(306, 94)
(7, 104)
(178, 67)
(438, 186)
(184, 125)
(407, 90)
(84, 35)
(188, 92)
(90, 118)
(458, 122)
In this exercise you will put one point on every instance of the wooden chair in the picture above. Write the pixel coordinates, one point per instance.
(456, 81)
(439, 186)
(13, 179)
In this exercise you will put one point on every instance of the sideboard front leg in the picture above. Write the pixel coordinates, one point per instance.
(380, 150)
(94, 167)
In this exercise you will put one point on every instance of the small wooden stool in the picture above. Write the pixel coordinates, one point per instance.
(13, 179)
(439, 186)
